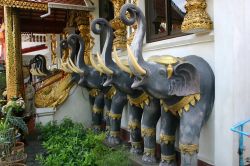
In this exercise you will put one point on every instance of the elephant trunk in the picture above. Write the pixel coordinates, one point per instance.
(135, 53)
(80, 56)
(107, 48)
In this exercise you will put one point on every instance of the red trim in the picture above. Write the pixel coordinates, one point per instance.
(34, 48)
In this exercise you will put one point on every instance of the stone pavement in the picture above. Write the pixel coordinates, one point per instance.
(32, 148)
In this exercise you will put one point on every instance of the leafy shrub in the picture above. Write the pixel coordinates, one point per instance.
(71, 144)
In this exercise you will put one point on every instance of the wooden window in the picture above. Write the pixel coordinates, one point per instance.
(164, 19)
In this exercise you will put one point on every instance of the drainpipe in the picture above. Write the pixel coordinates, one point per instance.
(89, 7)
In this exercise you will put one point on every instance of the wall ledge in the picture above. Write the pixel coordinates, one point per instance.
(179, 41)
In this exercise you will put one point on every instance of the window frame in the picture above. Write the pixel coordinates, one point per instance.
(150, 36)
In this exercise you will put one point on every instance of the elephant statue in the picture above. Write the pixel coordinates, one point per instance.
(120, 76)
(38, 66)
(86, 76)
(185, 86)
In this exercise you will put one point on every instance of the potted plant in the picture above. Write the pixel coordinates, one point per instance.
(8, 125)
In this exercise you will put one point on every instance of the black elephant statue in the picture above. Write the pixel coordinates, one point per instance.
(185, 86)
(86, 76)
(120, 76)
(38, 66)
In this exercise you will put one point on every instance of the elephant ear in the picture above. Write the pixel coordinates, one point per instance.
(186, 80)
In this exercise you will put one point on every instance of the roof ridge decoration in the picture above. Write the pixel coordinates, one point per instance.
(24, 4)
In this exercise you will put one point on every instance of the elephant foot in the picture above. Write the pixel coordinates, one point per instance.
(136, 151)
(148, 159)
(113, 141)
(96, 130)
(167, 163)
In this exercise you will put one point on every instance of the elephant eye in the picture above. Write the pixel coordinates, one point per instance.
(162, 72)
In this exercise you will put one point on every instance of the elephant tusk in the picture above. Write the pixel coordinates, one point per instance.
(73, 67)
(41, 73)
(92, 61)
(64, 67)
(134, 62)
(119, 63)
(103, 66)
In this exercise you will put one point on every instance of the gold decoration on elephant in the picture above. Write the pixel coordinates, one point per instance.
(136, 145)
(111, 92)
(148, 132)
(167, 139)
(168, 158)
(54, 94)
(189, 148)
(14, 75)
(97, 110)
(183, 104)
(149, 152)
(119, 27)
(197, 19)
(53, 48)
(115, 116)
(166, 60)
(139, 101)
(83, 20)
(94, 92)
(133, 27)
(24, 4)
(134, 124)
(114, 133)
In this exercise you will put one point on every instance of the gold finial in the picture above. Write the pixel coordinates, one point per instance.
(170, 71)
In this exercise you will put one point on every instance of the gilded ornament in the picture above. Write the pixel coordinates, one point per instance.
(97, 110)
(189, 148)
(14, 76)
(94, 92)
(109, 95)
(115, 116)
(120, 28)
(83, 19)
(197, 19)
(29, 5)
(148, 132)
(139, 101)
(167, 139)
(132, 125)
(149, 152)
(183, 104)
(168, 158)
(52, 95)
(53, 48)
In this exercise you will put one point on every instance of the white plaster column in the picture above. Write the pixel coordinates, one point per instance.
(232, 71)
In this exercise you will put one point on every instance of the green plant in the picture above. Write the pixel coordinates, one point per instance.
(71, 144)
(2, 82)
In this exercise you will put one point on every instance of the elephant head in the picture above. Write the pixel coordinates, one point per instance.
(118, 74)
(90, 77)
(161, 77)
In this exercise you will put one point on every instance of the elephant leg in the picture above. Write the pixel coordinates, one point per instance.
(97, 113)
(169, 124)
(135, 114)
(190, 127)
(118, 102)
(91, 101)
(150, 117)
(106, 114)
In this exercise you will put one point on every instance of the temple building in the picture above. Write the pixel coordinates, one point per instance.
(216, 30)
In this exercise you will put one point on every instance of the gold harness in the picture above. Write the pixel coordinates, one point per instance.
(183, 104)
(94, 92)
(139, 101)
(109, 95)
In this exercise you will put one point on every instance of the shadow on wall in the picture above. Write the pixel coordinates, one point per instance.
(76, 107)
